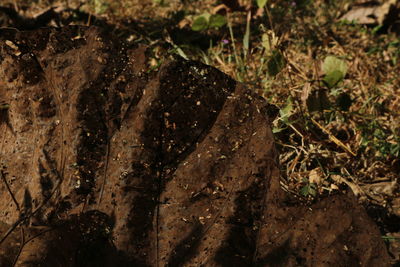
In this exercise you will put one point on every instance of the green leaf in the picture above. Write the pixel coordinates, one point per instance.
(390, 238)
(277, 130)
(261, 3)
(335, 70)
(275, 63)
(217, 21)
(100, 6)
(395, 149)
(333, 78)
(246, 38)
(365, 141)
(332, 63)
(181, 53)
(376, 29)
(308, 190)
(286, 111)
(200, 23)
(266, 42)
(304, 190)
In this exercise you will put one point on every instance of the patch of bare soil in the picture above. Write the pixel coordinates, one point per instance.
(104, 163)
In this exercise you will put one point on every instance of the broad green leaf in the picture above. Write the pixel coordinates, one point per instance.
(217, 21)
(200, 24)
(275, 63)
(333, 78)
(332, 63)
(335, 70)
(261, 3)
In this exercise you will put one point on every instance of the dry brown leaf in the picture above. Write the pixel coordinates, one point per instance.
(316, 176)
(371, 12)
(385, 188)
(305, 93)
(378, 191)
(357, 190)
(395, 205)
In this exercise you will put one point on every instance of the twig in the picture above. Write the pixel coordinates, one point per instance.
(105, 171)
(20, 247)
(333, 138)
(9, 190)
(23, 244)
(12, 228)
(23, 218)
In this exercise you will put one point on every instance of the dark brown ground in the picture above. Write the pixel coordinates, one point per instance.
(106, 164)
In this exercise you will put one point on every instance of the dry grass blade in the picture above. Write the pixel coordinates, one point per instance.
(334, 139)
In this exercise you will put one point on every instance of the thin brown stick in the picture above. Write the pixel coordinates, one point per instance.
(26, 241)
(22, 219)
(21, 246)
(12, 228)
(9, 190)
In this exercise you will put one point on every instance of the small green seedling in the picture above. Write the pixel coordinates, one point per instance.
(309, 190)
(206, 21)
(284, 115)
(335, 70)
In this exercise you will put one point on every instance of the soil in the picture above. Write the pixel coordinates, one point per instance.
(105, 163)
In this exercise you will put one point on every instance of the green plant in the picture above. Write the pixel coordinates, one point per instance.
(206, 21)
(283, 119)
(380, 140)
(335, 70)
(390, 238)
(99, 6)
(261, 3)
(274, 57)
(309, 190)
